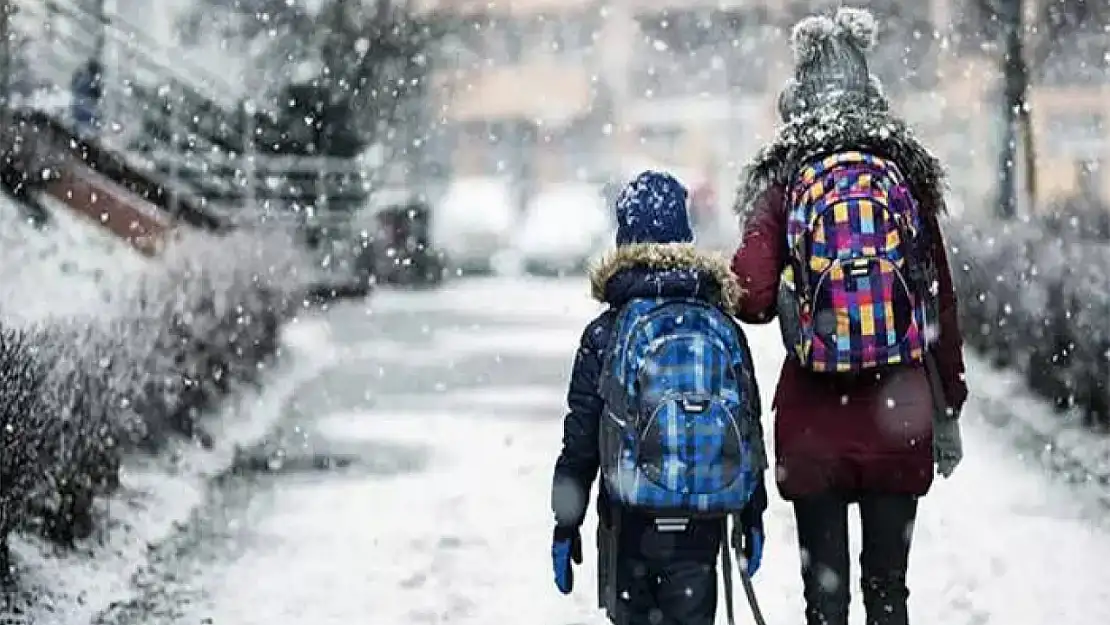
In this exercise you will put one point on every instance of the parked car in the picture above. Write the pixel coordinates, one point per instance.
(393, 234)
(473, 222)
(402, 252)
(565, 226)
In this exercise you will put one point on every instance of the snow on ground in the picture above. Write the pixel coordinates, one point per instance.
(1059, 441)
(158, 495)
(465, 537)
(65, 268)
(565, 303)
(62, 270)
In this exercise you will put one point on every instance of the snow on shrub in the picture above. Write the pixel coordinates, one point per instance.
(77, 393)
(21, 426)
(1087, 294)
(1037, 300)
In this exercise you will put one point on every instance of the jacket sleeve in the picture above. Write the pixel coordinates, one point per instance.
(752, 514)
(758, 262)
(580, 459)
(948, 350)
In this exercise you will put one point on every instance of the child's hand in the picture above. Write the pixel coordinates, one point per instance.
(752, 549)
(566, 545)
(747, 540)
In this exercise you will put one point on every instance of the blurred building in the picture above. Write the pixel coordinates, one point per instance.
(545, 90)
(1068, 50)
(553, 89)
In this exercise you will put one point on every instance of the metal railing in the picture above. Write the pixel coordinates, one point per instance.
(170, 121)
(60, 15)
(137, 92)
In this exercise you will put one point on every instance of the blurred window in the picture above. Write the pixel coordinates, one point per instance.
(1074, 134)
(701, 52)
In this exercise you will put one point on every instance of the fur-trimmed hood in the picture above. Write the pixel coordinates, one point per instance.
(851, 121)
(679, 269)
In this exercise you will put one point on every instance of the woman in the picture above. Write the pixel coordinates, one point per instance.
(869, 438)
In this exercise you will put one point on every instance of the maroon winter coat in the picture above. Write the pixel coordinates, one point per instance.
(873, 434)
(870, 434)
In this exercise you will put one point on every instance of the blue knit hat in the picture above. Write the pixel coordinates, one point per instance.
(652, 209)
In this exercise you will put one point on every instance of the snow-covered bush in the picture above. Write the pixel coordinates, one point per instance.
(1088, 316)
(1038, 300)
(21, 427)
(78, 393)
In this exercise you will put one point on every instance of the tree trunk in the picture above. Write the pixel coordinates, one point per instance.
(1017, 54)
(1018, 116)
(1007, 157)
(6, 64)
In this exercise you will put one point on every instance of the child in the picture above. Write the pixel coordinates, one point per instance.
(670, 419)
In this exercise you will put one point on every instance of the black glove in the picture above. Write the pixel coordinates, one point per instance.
(948, 446)
(566, 546)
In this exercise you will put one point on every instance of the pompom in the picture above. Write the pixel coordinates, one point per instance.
(809, 36)
(858, 26)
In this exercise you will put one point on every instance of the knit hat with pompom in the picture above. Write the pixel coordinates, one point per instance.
(652, 209)
(830, 60)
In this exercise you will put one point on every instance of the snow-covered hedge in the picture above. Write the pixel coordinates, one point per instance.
(76, 394)
(1038, 300)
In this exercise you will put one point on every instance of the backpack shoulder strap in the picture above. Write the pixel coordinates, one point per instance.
(606, 380)
(745, 581)
(610, 387)
(800, 192)
(726, 573)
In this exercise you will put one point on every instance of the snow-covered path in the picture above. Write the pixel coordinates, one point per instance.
(453, 401)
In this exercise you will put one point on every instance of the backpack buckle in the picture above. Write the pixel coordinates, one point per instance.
(671, 524)
(694, 406)
(855, 269)
(859, 267)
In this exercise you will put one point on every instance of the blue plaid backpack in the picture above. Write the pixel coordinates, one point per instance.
(680, 433)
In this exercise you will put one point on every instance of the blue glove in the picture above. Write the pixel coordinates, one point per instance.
(747, 530)
(566, 546)
(752, 548)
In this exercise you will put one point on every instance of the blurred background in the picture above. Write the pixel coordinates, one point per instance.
(448, 168)
(494, 116)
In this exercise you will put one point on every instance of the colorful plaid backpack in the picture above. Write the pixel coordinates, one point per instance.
(857, 290)
(680, 434)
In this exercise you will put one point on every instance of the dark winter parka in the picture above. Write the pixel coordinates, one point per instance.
(872, 434)
(638, 270)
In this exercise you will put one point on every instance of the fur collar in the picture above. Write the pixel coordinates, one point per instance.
(851, 121)
(664, 257)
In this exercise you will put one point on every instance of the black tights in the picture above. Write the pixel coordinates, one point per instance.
(823, 539)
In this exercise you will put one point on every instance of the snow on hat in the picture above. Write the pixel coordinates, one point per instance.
(652, 209)
(830, 59)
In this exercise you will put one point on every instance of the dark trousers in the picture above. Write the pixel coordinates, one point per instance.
(666, 592)
(651, 577)
(823, 539)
